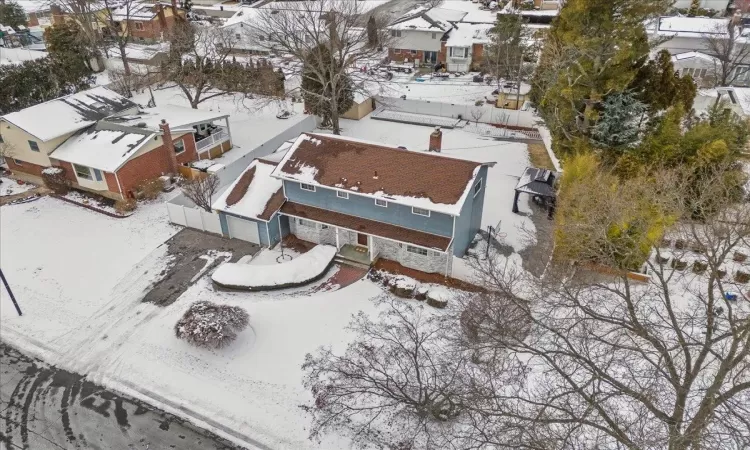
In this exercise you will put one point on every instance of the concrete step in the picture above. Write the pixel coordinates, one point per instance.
(349, 262)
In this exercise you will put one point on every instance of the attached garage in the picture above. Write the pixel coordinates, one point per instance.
(246, 230)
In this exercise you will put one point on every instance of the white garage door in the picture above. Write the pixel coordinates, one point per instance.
(243, 229)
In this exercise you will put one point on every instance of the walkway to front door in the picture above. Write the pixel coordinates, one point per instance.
(362, 239)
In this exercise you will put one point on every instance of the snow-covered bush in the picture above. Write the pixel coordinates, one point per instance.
(209, 325)
(54, 178)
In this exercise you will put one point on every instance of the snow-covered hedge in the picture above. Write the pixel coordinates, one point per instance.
(207, 324)
(54, 178)
(303, 269)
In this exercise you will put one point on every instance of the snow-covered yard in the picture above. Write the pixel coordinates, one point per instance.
(511, 159)
(10, 186)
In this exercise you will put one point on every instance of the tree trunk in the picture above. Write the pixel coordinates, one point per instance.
(124, 57)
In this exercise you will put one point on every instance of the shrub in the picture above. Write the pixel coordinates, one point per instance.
(54, 178)
(209, 325)
(149, 189)
(125, 206)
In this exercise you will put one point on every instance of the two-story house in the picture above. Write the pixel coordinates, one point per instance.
(417, 36)
(416, 208)
(107, 144)
(465, 46)
(145, 21)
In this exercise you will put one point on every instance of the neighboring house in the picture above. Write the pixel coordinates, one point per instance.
(735, 99)
(687, 34)
(147, 22)
(38, 12)
(465, 46)
(108, 144)
(245, 36)
(706, 69)
(719, 5)
(417, 36)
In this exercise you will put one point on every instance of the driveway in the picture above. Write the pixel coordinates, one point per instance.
(42, 407)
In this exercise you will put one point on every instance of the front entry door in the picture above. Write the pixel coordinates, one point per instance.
(362, 239)
(430, 57)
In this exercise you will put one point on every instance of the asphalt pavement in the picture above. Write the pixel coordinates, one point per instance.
(43, 407)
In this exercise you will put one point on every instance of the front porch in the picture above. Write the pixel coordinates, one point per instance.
(355, 254)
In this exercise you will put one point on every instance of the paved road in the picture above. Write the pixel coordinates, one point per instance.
(42, 407)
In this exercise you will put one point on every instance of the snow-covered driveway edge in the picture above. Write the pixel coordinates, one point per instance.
(304, 269)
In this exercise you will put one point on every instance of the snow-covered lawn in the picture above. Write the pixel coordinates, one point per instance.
(511, 159)
(65, 264)
(10, 186)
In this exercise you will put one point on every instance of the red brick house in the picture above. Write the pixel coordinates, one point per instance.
(147, 22)
(108, 144)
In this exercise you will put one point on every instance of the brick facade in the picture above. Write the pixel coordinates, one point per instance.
(477, 55)
(111, 180)
(25, 167)
(190, 154)
(69, 171)
(405, 55)
(152, 29)
(145, 167)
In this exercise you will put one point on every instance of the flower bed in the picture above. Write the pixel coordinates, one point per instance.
(93, 202)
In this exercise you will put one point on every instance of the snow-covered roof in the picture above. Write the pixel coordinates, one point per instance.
(138, 11)
(140, 51)
(254, 194)
(427, 19)
(243, 15)
(417, 179)
(738, 96)
(537, 181)
(179, 118)
(466, 34)
(18, 55)
(67, 114)
(697, 27)
(102, 148)
(473, 12)
(693, 55)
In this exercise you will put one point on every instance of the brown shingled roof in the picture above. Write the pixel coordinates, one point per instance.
(366, 226)
(240, 189)
(273, 205)
(372, 168)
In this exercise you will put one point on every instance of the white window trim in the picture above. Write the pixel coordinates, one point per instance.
(418, 213)
(138, 24)
(477, 191)
(183, 147)
(17, 162)
(78, 175)
(381, 200)
(32, 147)
(307, 223)
(417, 250)
(302, 186)
(397, 51)
(341, 194)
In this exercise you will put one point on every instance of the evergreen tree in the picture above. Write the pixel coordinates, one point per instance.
(317, 95)
(12, 14)
(33, 82)
(66, 45)
(593, 48)
(660, 86)
(620, 124)
(372, 32)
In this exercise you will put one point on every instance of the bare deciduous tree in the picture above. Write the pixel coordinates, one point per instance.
(396, 385)
(200, 63)
(731, 51)
(331, 39)
(201, 190)
(611, 362)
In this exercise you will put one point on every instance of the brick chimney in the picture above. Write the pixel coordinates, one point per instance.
(436, 140)
(174, 9)
(168, 145)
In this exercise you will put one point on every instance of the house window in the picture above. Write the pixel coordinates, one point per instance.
(340, 194)
(459, 52)
(82, 172)
(238, 36)
(98, 174)
(420, 212)
(179, 147)
(1, 139)
(382, 203)
(397, 51)
(477, 188)
(416, 250)
(33, 146)
(18, 162)
(324, 227)
(306, 223)
(413, 52)
(307, 187)
(434, 35)
(138, 26)
(396, 33)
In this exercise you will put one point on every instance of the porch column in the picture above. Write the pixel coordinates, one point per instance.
(229, 132)
(370, 248)
(338, 247)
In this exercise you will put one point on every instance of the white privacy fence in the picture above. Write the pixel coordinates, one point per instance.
(183, 212)
(484, 113)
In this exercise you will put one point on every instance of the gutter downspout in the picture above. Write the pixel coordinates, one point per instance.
(122, 195)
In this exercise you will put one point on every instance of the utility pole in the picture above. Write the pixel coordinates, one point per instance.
(12, 297)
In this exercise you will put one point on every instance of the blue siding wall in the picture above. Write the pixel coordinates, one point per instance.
(470, 220)
(273, 229)
(364, 207)
(262, 233)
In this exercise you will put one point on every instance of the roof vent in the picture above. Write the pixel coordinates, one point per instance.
(141, 125)
(375, 177)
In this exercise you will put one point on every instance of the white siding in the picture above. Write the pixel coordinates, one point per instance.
(245, 230)
(418, 40)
